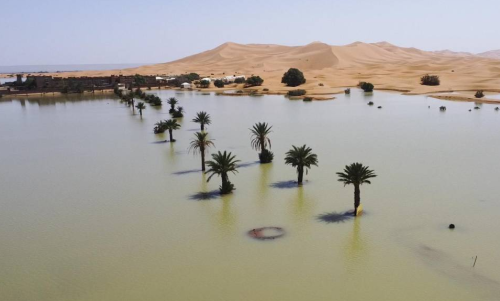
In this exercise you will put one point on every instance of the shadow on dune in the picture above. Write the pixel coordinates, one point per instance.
(335, 217)
(185, 172)
(205, 196)
(285, 184)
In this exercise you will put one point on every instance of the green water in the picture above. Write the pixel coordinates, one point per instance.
(91, 208)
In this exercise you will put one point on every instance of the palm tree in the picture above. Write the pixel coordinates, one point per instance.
(260, 141)
(200, 144)
(172, 102)
(356, 174)
(171, 125)
(203, 118)
(221, 165)
(301, 157)
(140, 106)
(159, 127)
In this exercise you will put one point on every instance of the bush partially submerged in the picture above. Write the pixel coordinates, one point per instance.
(479, 94)
(293, 77)
(298, 92)
(266, 156)
(307, 99)
(367, 87)
(430, 80)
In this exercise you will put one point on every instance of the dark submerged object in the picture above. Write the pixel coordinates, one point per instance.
(259, 233)
(451, 226)
(442, 108)
(347, 91)
(370, 103)
(476, 108)
(379, 107)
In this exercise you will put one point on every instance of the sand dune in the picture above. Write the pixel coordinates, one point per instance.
(385, 65)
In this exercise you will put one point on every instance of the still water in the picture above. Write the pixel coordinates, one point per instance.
(94, 207)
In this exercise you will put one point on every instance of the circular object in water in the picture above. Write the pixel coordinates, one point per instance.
(266, 233)
(451, 226)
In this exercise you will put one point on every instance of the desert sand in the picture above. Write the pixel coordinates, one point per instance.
(387, 66)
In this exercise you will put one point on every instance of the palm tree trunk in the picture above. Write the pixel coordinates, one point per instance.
(262, 148)
(171, 138)
(140, 112)
(202, 127)
(300, 171)
(202, 151)
(357, 199)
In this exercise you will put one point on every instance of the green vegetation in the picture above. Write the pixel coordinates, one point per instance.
(356, 174)
(139, 80)
(298, 92)
(192, 76)
(293, 78)
(239, 80)
(479, 94)
(430, 80)
(203, 118)
(172, 101)
(219, 83)
(260, 141)
(204, 83)
(201, 144)
(301, 158)
(179, 113)
(367, 87)
(222, 164)
(307, 99)
(140, 106)
(171, 125)
(254, 81)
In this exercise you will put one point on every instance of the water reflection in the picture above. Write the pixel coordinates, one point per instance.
(356, 247)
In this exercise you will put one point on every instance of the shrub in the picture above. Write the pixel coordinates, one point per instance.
(347, 91)
(430, 80)
(293, 78)
(192, 76)
(320, 84)
(65, 90)
(239, 80)
(298, 92)
(266, 156)
(226, 187)
(219, 83)
(254, 81)
(307, 99)
(239, 91)
(367, 87)
(479, 94)
(370, 103)
(442, 108)
(204, 84)
(265, 90)
(361, 84)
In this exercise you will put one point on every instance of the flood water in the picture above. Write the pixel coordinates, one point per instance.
(95, 207)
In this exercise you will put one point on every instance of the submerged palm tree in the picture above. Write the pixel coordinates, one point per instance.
(172, 125)
(172, 102)
(140, 106)
(356, 174)
(203, 118)
(301, 157)
(200, 144)
(222, 164)
(260, 141)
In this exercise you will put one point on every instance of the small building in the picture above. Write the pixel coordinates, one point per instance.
(185, 85)
(208, 79)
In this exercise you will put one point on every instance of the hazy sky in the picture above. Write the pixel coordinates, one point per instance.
(34, 32)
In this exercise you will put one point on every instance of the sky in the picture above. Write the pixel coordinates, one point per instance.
(48, 32)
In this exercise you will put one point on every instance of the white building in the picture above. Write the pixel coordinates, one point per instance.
(185, 85)
(207, 79)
